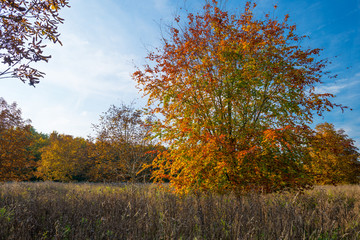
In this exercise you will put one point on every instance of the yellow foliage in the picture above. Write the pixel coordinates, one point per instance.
(64, 159)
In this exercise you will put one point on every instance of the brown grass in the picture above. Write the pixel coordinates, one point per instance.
(98, 211)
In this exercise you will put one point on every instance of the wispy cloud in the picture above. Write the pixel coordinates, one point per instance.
(337, 86)
(330, 88)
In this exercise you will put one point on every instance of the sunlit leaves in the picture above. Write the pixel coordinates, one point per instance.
(236, 95)
(64, 159)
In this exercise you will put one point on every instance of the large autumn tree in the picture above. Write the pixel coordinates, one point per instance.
(16, 160)
(26, 26)
(335, 157)
(236, 94)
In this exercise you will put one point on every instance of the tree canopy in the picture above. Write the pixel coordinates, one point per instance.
(122, 147)
(335, 157)
(16, 162)
(237, 95)
(65, 158)
(24, 25)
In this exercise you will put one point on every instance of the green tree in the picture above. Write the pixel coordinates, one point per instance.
(39, 140)
(236, 95)
(24, 24)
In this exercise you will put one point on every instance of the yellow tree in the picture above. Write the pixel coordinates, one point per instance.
(335, 159)
(16, 161)
(64, 159)
(236, 95)
(24, 24)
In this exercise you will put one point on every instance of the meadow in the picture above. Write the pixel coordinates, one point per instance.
(48, 210)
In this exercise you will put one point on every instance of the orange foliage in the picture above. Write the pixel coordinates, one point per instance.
(16, 162)
(236, 95)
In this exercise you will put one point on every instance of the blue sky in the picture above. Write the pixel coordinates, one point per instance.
(102, 40)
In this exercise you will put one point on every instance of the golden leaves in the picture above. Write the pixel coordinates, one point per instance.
(16, 163)
(334, 156)
(235, 97)
(64, 159)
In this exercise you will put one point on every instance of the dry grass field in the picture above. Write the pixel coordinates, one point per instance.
(103, 211)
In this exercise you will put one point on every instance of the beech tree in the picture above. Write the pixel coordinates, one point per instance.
(24, 25)
(236, 95)
(65, 158)
(16, 161)
(335, 157)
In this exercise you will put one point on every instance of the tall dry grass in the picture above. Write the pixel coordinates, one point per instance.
(98, 211)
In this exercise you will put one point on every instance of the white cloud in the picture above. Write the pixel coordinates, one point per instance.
(64, 119)
(90, 69)
(331, 88)
(338, 86)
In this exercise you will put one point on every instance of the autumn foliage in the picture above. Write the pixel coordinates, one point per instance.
(116, 154)
(64, 159)
(16, 161)
(236, 95)
(234, 98)
(335, 159)
(121, 145)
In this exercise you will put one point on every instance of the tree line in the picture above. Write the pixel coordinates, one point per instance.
(117, 153)
(121, 150)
